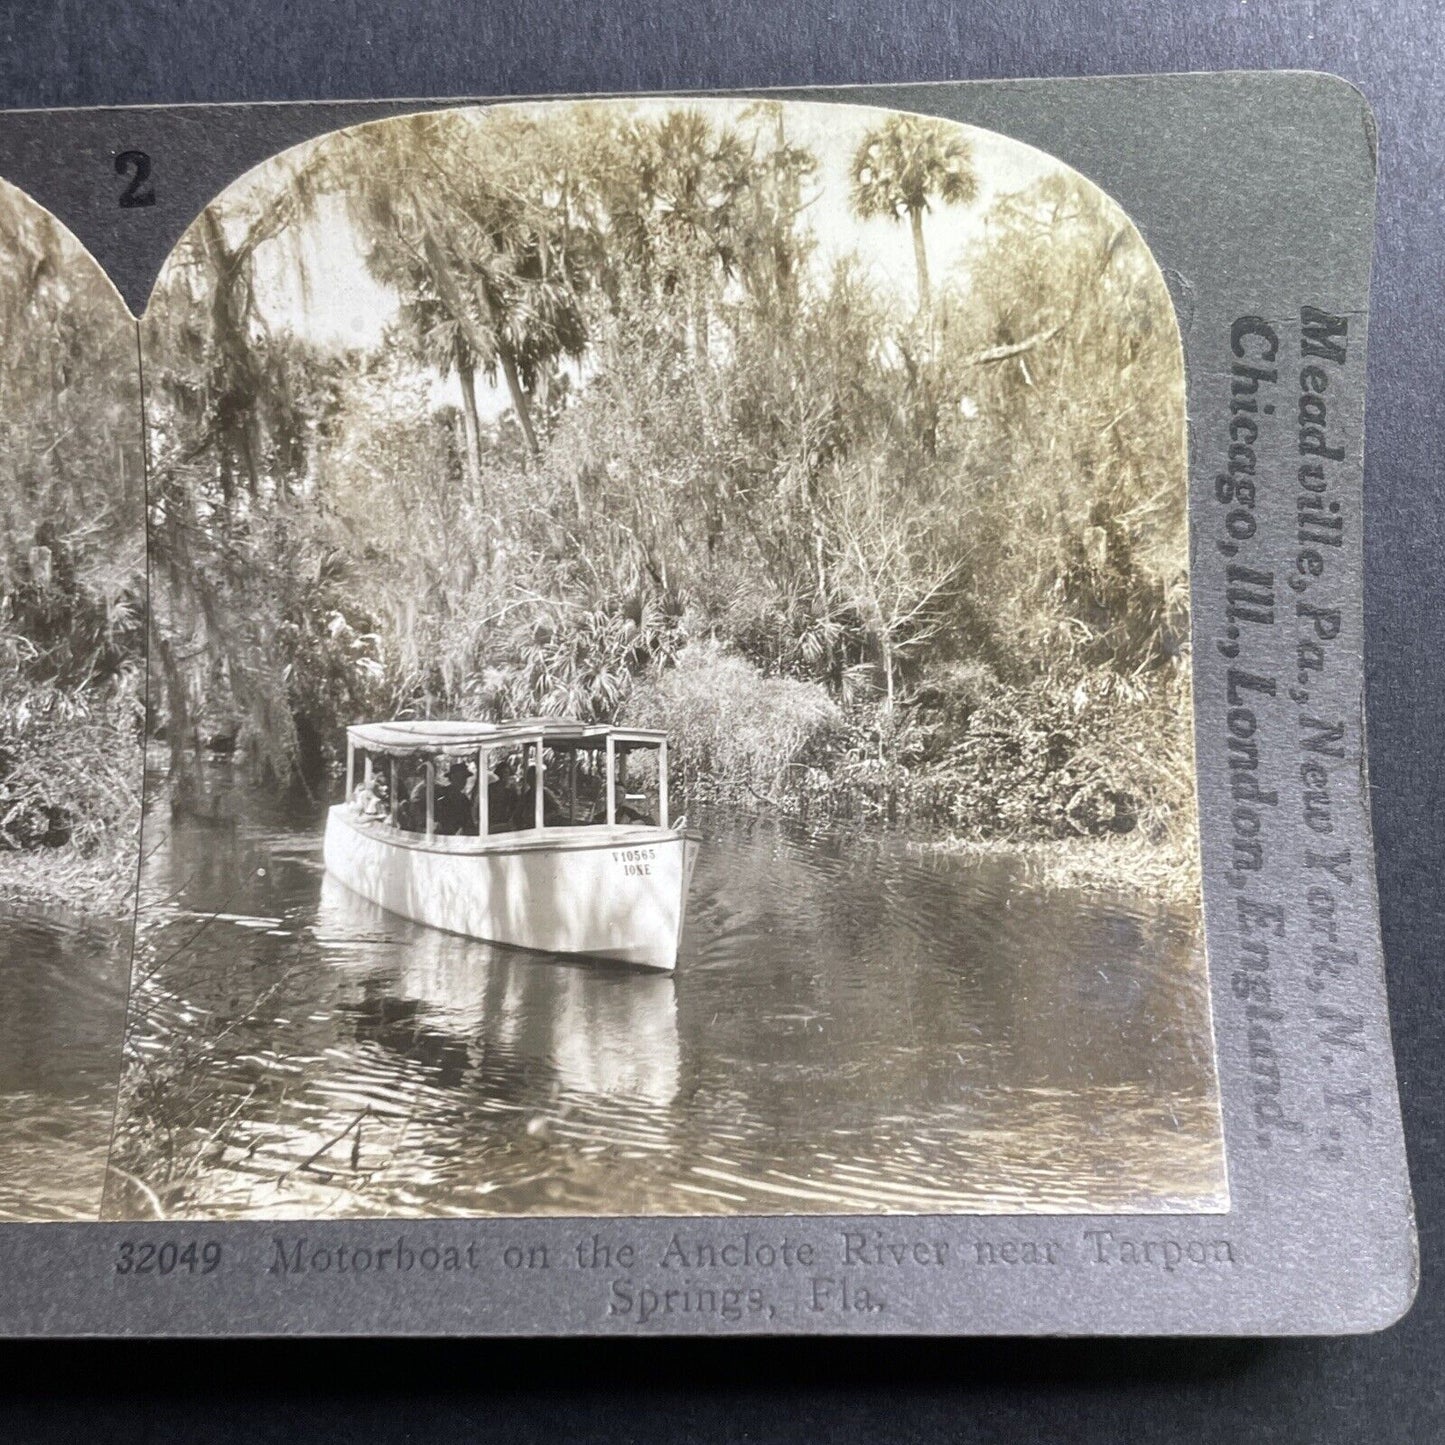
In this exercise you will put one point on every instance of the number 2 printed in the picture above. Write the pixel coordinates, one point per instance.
(137, 165)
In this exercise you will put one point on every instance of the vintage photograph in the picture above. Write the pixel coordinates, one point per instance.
(668, 682)
(72, 704)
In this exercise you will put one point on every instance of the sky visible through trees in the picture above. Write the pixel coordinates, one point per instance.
(339, 303)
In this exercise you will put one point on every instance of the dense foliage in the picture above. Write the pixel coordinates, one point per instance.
(72, 569)
(905, 548)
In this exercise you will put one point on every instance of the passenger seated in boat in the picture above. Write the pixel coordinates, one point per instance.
(367, 800)
(555, 813)
(452, 807)
(411, 815)
(591, 794)
(503, 799)
(624, 810)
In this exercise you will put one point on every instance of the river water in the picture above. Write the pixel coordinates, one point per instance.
(62, 1010)
(855, 1025)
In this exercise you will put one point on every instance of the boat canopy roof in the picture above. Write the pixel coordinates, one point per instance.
(467, 737)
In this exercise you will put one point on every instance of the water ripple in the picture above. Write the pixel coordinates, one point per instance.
(855, 1025)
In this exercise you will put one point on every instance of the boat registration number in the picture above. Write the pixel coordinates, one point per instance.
(636, 862)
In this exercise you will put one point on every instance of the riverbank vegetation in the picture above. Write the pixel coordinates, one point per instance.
(647, 431)
(72, 573)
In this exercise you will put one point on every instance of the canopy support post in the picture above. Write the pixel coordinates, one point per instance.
(431, 815)
(350, 767)
(662, 783)
(483, 801)
(611, 781)
(391, 792)
(537, 770)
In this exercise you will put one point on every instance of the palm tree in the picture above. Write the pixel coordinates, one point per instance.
(677, 207)
(433, 333)
(901, 165)
(467, 251)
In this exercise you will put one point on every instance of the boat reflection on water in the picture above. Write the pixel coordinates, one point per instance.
(598, 1029)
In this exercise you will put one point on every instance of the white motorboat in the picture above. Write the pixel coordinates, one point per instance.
(544, 833)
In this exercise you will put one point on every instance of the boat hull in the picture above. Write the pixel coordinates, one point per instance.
(615, 893)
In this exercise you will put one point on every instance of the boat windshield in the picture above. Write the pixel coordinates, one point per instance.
(513, 786)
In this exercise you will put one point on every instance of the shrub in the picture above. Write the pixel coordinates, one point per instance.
(730, 722)
(1080, 754)
(70, 789)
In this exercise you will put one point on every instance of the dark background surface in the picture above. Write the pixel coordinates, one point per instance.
(1383, 1388)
